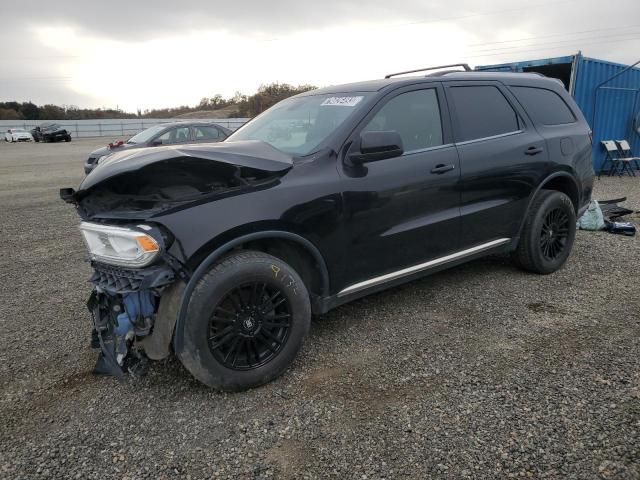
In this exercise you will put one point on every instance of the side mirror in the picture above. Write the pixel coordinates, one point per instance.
(376, 146)
(155, 143)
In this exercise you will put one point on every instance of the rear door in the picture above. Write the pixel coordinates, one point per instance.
(502, 158)
(403, 211)
(566, 134)
(207, 133)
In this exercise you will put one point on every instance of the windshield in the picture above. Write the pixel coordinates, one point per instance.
(146, 135)
(298, 125)
(50, 126)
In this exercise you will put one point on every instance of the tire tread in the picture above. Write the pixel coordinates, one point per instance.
(524, 254)
(237, 381)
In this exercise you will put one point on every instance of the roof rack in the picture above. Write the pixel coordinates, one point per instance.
(463, 65)
(442, 73)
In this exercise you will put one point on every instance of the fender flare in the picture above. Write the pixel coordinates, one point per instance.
(541, 186)
(178, 337)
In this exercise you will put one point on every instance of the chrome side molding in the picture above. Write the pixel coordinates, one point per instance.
(372, 282)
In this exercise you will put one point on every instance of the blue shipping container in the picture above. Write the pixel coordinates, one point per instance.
(611, 108)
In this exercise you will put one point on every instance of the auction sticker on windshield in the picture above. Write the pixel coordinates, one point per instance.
(341, 101)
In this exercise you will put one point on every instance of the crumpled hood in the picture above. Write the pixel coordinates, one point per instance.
(248, 153)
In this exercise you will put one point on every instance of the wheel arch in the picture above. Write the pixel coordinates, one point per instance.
(286, 245)
(291, 247)
(561, 182)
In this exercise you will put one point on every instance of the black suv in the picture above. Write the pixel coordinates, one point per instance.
(222, 252)
(50, 132)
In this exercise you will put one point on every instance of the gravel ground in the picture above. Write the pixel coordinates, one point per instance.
(482, 371)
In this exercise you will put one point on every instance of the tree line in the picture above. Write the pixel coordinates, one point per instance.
(237, 106)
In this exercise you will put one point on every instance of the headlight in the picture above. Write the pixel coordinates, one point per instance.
(118, 245)
(101, 158)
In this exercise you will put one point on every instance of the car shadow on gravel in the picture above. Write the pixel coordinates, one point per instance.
(335, 325)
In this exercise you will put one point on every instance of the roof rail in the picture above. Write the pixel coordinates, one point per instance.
(442, 73)
(463, 65)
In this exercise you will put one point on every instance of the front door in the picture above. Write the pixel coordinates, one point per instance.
(173, 136)
(402, 211)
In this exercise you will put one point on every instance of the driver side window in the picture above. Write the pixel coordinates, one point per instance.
(415, 116)
(174, 135)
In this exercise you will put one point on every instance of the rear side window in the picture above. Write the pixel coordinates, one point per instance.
(544, 106)
(482, 111)
(415, 116)
(205, 132)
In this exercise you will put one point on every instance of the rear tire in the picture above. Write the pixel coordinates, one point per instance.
(548, 233)
(246, 321)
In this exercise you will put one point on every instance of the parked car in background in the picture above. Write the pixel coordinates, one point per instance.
(17, 135)
(50, 132)
(171, 133)
(221, 253)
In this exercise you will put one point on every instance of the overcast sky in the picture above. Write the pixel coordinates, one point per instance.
(161, 53)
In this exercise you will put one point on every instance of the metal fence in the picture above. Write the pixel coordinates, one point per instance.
(112, 127)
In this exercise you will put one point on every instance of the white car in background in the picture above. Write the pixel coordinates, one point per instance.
(17, 135)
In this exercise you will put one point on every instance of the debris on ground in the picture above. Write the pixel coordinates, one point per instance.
(606, 215)
(593, 218)
(612, 211)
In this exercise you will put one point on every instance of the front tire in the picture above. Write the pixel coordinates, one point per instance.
(246, 321)
(548, 233)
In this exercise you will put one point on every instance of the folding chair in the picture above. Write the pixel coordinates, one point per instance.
(625, 150)
(613, 157)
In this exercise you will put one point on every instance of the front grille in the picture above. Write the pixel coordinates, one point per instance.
(123, 280)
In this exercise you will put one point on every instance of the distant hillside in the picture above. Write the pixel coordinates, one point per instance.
(225, 112)
(239, 105)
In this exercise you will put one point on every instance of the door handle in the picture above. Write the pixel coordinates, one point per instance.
(442, 168)
(533, 150)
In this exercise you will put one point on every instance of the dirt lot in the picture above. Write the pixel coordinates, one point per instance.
(479, 372)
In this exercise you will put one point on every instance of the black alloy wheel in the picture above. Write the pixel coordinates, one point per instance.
(249, 326)
(554, 233)
(548, 233)
(246, 321)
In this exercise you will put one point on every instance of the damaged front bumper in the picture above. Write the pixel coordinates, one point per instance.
(139, 276)
(129, 323)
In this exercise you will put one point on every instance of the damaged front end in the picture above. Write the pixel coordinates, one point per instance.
(139, 266)
(118, 321)
(125, 301)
